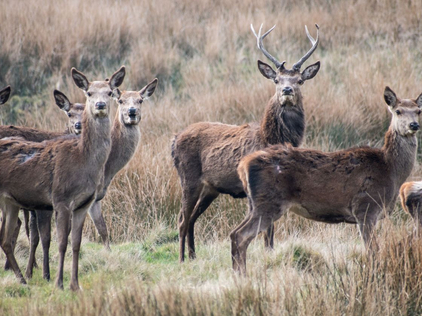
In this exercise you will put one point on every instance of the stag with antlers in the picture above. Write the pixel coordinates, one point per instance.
(206, 155)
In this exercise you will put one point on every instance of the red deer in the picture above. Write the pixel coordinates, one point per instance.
(206, 155)
(411, 200)
(352, 186)
(62, 174)
(74, 112)
(125, 136)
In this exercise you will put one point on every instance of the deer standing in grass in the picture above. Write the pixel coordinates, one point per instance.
(352, 186)
(125, 137)
(63, 174)
(74, 112)
(411, 200)
(206, 154)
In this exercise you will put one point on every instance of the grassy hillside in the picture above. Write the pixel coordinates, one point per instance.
(204, 55)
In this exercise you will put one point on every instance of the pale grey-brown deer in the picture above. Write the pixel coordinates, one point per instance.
(206, 155)
(125, 137)
(353, 186)
(63, 174)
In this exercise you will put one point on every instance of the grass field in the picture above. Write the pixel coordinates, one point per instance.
(204, 55)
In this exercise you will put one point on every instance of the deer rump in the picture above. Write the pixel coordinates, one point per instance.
(320, 186)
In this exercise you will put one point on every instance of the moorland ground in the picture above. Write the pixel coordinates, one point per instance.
(204, 55)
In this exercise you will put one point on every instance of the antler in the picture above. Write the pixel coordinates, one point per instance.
(310, 52)
(259, 39)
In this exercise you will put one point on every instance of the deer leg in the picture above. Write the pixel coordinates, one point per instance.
(8, 227)
(26, 220)
(205, 199)
(269, 237)
(189, 198)
(34, 239)
(63, 215)
(366, 227)
(98, 219)
(78, 220)
(7, 266)
(44, 229)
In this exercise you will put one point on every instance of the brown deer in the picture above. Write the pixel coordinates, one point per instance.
(5, 94)
(62, 174)
(206, 155)
(352, 186)
(125, 136)
(74, 112)
(411, 200)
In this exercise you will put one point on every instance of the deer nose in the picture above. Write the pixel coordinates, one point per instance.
(100, 105)
(414, 126)
(287, 90)
(132, 111)
(78, 125)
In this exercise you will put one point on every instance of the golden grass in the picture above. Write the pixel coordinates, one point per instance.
(204, 55)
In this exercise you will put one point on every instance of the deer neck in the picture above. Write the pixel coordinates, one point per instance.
(124, 141)
(400, 153)
(283, 123)
(95, 142)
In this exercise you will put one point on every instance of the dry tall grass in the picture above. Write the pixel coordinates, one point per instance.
(204, 55)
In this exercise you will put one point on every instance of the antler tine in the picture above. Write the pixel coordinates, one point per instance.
(314, 42)
(260, 45)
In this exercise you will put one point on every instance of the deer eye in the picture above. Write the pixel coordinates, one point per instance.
(300, 81)
(120, 101)
(275, 81)
(140, 101)
(398, 112)
(418, 112)
(69, 115)
(110, 94)
(89, 94)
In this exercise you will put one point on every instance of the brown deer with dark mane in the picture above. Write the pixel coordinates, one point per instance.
(348, 186)
(125, 137)
(206, 155)
(63, 174)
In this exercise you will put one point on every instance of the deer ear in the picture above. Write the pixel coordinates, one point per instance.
(61, 100)
(419, 101)
(117, 78)
(266, 70)
(311, 71)
(5, 94)
(390, 97)
(116, 94)
(80, 79)
(149, 89)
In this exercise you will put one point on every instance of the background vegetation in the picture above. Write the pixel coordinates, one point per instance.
(204, 55)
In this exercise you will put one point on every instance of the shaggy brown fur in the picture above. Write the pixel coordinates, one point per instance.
(352, 186)
(206, 155)
(74, 113)
(42, 176)
(125, 136)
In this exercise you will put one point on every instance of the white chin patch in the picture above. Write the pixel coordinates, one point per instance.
(78, 131)
(287, 99)
(101, 113)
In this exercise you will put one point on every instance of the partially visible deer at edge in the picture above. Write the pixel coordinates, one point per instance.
(63, 174)
(411, 200)
(125, 137)
(206, 155)
(353, 186)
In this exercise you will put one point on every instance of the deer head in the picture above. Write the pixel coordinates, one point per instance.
(99, 93)
(73, 110)
(130, 103)
(288, 81)
(405, 112)
(5, 94)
